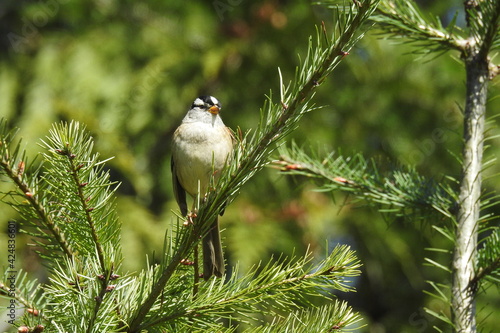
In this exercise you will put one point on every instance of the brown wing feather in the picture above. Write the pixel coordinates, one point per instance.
(179, 193)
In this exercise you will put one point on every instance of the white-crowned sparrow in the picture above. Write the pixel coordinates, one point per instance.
(201, 147)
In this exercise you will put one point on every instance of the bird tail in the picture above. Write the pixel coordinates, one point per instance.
(213, 257)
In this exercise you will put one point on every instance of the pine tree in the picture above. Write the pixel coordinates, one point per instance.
(66, 199)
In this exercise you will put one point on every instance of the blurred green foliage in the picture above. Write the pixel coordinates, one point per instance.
(129, 70)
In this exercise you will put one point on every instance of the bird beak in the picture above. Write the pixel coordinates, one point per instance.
(214, 109)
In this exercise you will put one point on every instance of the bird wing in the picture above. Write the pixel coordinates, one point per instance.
(179, 192)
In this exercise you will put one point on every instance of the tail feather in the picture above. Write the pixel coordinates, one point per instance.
(213, 257)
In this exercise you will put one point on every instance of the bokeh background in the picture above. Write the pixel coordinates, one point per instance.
(129, 70)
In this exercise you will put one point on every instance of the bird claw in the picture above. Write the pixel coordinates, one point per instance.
(190, 218)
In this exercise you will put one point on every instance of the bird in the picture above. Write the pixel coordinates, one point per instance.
(201, 146)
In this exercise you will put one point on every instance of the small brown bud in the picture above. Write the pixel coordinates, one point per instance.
(293, 167)
(20, 168)
(340, 179)
(344, 181)
(343, 54)
(23, 329)
(34, 312)
(337, 327)
(38, 329)
(110, 288)
(186, 262)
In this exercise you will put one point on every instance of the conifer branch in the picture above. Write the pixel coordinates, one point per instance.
(488, 265)
(70, 196)
(335, 317)
(278, 286)
(187, 241)
(401, 191)
(87, 196)
(277, 120)
(490, 12)
(79, 184)
(482, 20)
(18, 174)
(73, 170)
(402, 19)
(280, 118)
(491, 271)
(25, 292)
(75, 193)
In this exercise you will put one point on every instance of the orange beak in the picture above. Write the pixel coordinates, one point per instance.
(214, 109)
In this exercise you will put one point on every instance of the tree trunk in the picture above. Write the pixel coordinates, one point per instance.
(465, 255)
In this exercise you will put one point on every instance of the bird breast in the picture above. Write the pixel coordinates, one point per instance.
(203, 150)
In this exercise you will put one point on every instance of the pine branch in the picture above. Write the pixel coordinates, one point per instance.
(400, 191)
(26, 292)
(186, 240)
(131, 292)
(269, 290)
(277, 120)
(488, 266)
(335, 317)
(76, 174)
(72, 198)
(14, 167)
(75, 294)
(81, 190)
(483, 21)
(402, 19)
